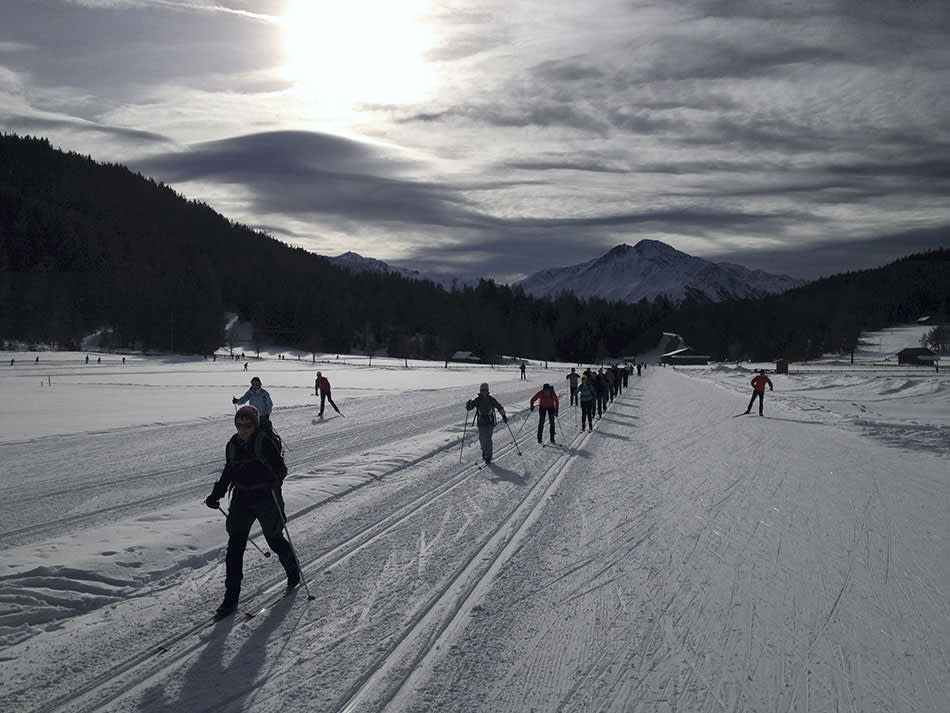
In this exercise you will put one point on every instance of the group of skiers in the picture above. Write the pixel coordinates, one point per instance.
(590, 390)
(253, 474)
(254, 468)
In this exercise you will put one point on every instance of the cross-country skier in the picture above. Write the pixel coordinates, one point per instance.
(548, 407)
(322, 386)
(253, 473)
(587, 396)
(758, 390)
(572, 380)
(485, 406)
(259, 399)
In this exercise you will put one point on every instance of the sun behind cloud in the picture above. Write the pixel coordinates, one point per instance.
(340, 54)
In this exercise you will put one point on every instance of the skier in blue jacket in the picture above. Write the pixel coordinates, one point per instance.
(260, 400)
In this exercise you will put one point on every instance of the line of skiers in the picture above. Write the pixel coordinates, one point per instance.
(591, 390)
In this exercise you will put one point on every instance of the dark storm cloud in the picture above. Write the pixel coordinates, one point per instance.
(304, 174)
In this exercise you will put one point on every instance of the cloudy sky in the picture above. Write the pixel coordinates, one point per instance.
(495, 138)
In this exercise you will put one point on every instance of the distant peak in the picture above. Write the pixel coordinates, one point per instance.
(654, 246)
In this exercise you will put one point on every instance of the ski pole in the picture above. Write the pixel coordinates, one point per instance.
(522, 424)
(464, 429)
(266, 554)
(293, 551)
(513, 439)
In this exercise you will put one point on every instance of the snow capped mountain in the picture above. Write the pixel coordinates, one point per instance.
(652, 268)
(356, 263)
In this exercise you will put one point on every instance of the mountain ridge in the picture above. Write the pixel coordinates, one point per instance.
(652, 268)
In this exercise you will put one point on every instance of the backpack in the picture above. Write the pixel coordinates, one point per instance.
(485, 410)
(281, 472)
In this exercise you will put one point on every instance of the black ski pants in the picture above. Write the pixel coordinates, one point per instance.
(246, 507)
(587, 412)
(760, 395)
(549, 412)
(324, 397)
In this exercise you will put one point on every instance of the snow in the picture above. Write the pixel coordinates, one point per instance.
(677, 558)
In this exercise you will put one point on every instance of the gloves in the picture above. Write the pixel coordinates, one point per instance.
(212, 502)
(532, 408)
(555, 413)
(505, 419)
(234, 399)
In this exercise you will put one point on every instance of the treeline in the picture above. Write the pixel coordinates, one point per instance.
(85, 245)
(824, 317)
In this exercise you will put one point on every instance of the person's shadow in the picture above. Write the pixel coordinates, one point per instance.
(500, 475)
(210, 684)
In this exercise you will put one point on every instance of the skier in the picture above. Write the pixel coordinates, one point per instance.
(485, 406)
(599, 382)
(523, 377)
(573, 378)
(587, 396)
(253, 473)
(322, 386)
(548, 407)
(259, 399)
(758, 390)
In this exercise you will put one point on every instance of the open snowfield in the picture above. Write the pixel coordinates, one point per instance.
(679, 558)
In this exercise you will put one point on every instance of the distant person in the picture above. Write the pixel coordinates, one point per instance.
(253, 473)
(245, 366)
(12, 360)
(759, 382)
(485, 406)
(523, 377)
(602, 390)
(573, 379)
(588, 397)
(548, 407)
(322, 387)
(259, 399)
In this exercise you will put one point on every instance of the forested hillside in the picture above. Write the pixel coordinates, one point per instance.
(85, 245)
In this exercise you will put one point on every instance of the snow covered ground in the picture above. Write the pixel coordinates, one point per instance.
(677, 558)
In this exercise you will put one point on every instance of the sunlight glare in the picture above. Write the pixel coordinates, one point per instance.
(357, 51)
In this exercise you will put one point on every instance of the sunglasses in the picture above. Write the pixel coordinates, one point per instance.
(242, 425)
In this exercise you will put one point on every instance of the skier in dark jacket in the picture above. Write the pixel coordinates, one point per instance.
(572, 381)
(588, 397)
(254, 473)
(548, 402)
(485, 406)
(759, 383)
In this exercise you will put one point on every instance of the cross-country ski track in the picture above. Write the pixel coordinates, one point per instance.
(674, 559)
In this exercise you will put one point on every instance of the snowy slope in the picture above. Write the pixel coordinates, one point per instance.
(675, 559)
(652, 268)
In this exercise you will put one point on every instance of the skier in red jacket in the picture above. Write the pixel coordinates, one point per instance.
(322, 387)
(759, 382)
(549, 407)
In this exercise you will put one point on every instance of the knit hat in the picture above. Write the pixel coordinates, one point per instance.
(248, 413)
(483, 387)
